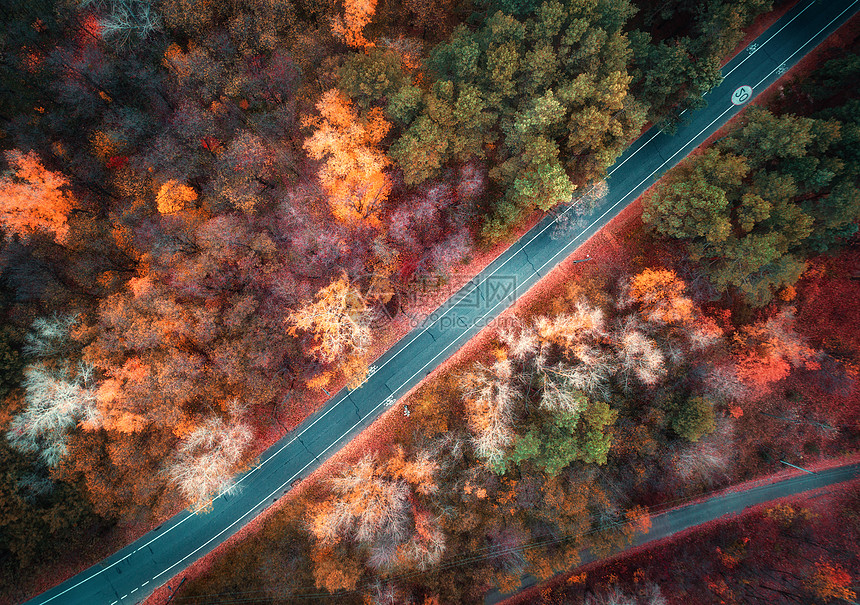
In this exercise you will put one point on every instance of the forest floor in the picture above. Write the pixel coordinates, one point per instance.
(617, 249)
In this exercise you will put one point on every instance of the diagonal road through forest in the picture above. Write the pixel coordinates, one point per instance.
(681, 518)
(131, 574)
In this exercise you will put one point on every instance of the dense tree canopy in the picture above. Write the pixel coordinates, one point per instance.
(773, 192)
(208, 208)
(546, 93)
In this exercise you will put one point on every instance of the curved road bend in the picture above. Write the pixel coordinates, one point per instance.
(679, 519)
(133, 573)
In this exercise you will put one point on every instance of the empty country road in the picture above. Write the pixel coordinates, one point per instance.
(131, 574)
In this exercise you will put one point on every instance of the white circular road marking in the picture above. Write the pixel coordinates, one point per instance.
(742, 95)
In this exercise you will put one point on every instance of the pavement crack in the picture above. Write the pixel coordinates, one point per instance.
(529, 261)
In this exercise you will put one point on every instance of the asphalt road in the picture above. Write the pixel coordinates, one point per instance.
(678, 519)
(134, 572)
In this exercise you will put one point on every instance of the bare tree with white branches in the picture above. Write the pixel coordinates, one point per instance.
(709, 459)
(49, 336)
(522, 341)
(558, 393)
(372, 505)
(124, 20)
(652, 595)
(637, 354)
(584, 324)
(208, 458)
(490, 400)
(722, 382)
(578, 334)
(57, 399)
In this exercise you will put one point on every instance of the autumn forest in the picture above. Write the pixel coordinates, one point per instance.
(215, 214)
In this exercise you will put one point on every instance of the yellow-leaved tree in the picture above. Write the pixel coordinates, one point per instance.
(173, 197)
(339, 321)
(661, 295)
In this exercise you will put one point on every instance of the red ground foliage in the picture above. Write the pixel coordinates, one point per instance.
(829, 315)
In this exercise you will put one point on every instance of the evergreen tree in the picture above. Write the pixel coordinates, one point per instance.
(776, 190)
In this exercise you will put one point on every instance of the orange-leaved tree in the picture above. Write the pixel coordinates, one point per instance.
(660, 297)
(353, 174)
(174, 196)
(32, 198)
(830, 581)
(350, 26)
(660, 293)
(769, 349)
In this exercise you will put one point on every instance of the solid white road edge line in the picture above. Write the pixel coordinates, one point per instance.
(99, 572)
